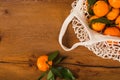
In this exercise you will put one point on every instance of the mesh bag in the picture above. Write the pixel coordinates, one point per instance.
(107, 47)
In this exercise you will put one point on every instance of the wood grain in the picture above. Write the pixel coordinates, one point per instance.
(30, 28)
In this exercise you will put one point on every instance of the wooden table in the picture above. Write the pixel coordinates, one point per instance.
(30, 28)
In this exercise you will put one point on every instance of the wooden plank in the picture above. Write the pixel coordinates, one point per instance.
(39, 1)
(30, 29)
(18, 72)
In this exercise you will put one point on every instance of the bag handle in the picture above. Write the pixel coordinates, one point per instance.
(63, 30)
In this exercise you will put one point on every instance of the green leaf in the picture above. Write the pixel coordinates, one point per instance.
(53, 55)
(91, 2)
(57, 72)
(42, 75)
(102, 20)
(66, 73)
(90, 11)
(50, 76)
(59, 60)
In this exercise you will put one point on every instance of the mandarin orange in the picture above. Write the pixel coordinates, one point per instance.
(112, 31)
(117, 21)
(114, 3)
(100, 8)
(112, 15)
(43, 63)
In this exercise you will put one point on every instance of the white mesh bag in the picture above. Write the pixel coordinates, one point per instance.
(107, 47)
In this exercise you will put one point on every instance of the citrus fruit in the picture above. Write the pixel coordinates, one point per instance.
(113, 14)
(43, 63)
(114, 3)
(93, 17)
(117, 21)
(112, 31)
(98, 26)
(100, 8)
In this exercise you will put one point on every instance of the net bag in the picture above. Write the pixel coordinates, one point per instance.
(107, 47)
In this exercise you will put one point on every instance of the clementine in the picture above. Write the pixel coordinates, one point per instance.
(117, 21)
(98, 26)
(93, 17)
(113, 14)
(43, 63)
(114, 3)
(112, 31)
(100, 8)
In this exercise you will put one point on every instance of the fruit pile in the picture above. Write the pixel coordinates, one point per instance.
(105, 16)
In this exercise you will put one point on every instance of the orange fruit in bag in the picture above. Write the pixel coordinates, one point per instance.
(117, 22)
(112, 31)
(100, 8)
(93, 17)
(98, 26)
(112, 15)
(114, 3)
(43, 63)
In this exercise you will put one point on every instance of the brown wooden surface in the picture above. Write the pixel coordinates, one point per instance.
(30, 28)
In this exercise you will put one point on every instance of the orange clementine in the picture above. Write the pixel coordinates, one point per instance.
(112, 31)
(117, 21)
(43, 63)
(98, 26)
(114, 3)
(100, 8)
(93, 17)
(113, 14)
